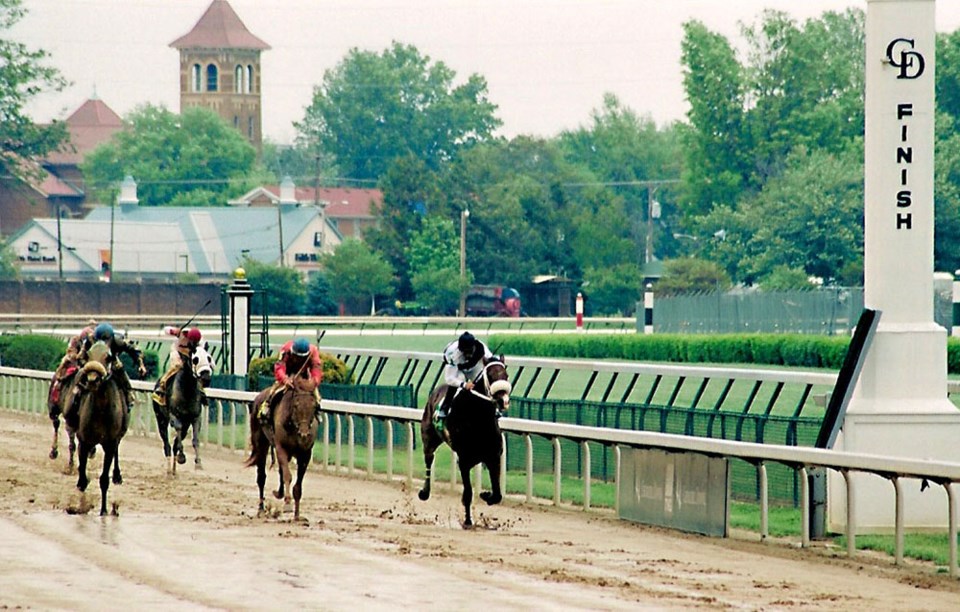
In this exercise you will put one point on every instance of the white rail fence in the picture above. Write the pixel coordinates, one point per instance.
(25, 391)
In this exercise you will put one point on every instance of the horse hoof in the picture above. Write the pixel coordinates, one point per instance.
(491, 498)
(423, 495)
(54, 453)
(118, 479)
(181, 459)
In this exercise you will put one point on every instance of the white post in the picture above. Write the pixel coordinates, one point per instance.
(239, 294)
(900, 406)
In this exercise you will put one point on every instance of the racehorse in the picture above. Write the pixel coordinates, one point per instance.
(101, 418)
(57, 403)
(184, 407)
(293, 433)
(472, 430)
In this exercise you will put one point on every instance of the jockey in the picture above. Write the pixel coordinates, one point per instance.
(71, 361)
(296, 356)
(187, 342)
(462, 363)
(117, 345)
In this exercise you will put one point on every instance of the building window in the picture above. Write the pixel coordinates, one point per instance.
(196, 83)
(212, 78)
(236, 122)
(238, 76)
(250, 128)
(249, 78)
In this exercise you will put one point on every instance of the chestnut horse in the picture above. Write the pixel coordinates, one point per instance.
(294, 430)
(184, 407)
(472, 430)
(101, 418)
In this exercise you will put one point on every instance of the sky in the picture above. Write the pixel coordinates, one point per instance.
(547, 63)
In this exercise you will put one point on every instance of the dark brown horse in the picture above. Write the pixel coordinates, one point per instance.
(472, 430)
(293, 432)
(183, 408)
(101, 418)
(57, 403)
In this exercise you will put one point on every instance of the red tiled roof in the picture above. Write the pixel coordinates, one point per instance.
(53, 186)
(341, 202)
(219, 28)
(89, 126)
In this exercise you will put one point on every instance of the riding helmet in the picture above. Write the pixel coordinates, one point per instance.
(194, 336)
(104, 332)
(300, 347)
(466, 343)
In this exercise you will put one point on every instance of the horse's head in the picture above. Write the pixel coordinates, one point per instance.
(301, 404)
(495, 382)
(203, 366)
(96, 369)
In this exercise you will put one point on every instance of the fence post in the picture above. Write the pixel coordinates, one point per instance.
(579, 307)
(648, 309)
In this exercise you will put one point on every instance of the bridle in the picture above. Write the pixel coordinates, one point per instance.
(495, 387)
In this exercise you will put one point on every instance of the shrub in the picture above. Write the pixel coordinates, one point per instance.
(32, 352)
(260, 371)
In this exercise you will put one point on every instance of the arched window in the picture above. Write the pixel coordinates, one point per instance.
(236, 122)
(249, 78)
(250, 128)
(238, 76)
(196, 83)
(212, 78)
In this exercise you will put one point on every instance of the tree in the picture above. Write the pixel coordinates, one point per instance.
(613, 290)
(282, 288)
(192, 159)
(435, 265)
(9, 270)
(319, 296)
(411, 191)
(372, 108)
(356, 272)
(23, 75)
(688, 274)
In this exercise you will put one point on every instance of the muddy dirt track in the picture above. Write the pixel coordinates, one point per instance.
(195, 542)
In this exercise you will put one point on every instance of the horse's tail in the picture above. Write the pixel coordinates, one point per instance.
(252, 459)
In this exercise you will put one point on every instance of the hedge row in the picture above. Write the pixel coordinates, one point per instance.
(793, 350)
(36, 352)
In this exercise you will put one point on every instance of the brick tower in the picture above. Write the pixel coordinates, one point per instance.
(220, 69)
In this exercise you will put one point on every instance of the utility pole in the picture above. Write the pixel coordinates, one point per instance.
(463, 261)
(59, 244)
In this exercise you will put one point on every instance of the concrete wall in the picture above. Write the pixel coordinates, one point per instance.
(41, 297)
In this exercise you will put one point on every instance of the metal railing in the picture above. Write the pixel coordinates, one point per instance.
(25, 391)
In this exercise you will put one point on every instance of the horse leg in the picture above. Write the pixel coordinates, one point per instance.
(196, 444)
(82, 481)
(283, 492)
(467, 497)
(72, 446)
(117, 476)
(54, 450)
(495, 494)
(303, 460)
(178, 446)
(163, 423)
(109, 451)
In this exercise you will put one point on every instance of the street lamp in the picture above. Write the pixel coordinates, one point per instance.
(463, 261)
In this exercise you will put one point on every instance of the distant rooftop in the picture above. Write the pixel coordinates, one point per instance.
(219, 28)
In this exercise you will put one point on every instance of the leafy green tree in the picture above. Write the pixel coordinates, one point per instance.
(613, 290)
(434, 256)
(319, 296)
(357, 272)
(948, 74)
(374, 107)
(23, 76)
(715, 167)
(192, 159)
(689, 274)
(302, 162)
(9, 270)
(411, 191)
(782, 278)
(282, 288)
(810, 218)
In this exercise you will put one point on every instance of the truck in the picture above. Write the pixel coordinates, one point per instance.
(493, 301)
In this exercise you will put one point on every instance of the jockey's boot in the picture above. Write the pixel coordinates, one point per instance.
(159, 396)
